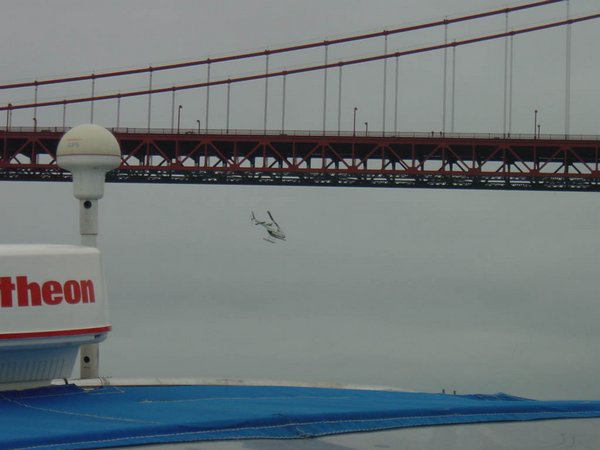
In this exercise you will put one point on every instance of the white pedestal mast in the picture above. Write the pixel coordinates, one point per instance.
(88, 151)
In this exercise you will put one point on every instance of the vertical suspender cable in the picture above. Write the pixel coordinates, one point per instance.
(396, 100)
(283, 105)
(64, 114)
(568, 76)
(149, 97)
(453, 87)
(266, 93)
(207, 93)
(173, 110)
(228, 103)
(35, 102)
(510, 85)
(339, 127)
(92, 102)
(505, 76)
(118, 110)
(325, 89)
(445, 76)
(385, 49)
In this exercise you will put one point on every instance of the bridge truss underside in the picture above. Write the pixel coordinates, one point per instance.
(300, 160)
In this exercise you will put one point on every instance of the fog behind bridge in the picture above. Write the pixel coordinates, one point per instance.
(420, 289)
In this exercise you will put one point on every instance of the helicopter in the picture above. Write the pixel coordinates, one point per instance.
(272, 227)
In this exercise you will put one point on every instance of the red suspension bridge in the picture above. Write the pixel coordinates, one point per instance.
(356, 157)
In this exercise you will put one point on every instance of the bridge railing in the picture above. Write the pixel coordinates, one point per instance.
(317, 133)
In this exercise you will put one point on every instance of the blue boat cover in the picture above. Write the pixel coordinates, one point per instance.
(69, 417)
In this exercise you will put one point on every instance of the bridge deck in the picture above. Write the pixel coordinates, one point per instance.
(415, 160)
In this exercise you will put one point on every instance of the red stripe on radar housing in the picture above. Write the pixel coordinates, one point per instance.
(55, 333)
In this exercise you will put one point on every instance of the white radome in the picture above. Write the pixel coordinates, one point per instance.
(88, 151)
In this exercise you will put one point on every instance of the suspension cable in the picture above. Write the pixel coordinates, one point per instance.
(306, 69)
(294, 48)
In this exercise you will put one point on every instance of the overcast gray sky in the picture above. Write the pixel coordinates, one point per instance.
(473, 291)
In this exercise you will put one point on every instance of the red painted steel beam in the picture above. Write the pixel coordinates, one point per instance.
(432, 161)
(294, 48)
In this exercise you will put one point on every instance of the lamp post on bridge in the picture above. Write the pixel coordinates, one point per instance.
(179, 118)
(9, 117)
(198, 121)
(354, 125)
(366, 128)
(535, 126)
(539, 130)
(34, 124)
